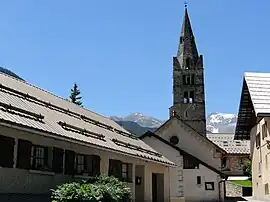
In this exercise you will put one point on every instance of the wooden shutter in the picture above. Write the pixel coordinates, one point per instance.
(96, 165)
(6, 151)
(115, 168)
(24, 154)
(69, 162)
(58, 155)
(89, 164)
(130, 172)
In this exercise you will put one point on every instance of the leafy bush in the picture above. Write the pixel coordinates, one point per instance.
(96, 189)
(247, 169)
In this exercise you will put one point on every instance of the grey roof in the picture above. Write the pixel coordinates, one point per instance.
(28, 106)
(226, 141)
(255, 102)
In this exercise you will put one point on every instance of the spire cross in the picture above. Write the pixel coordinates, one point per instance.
(185, 3)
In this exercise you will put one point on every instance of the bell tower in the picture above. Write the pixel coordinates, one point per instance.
(188, 81)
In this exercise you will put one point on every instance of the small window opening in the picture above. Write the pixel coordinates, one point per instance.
(188, 79)
(189, 96)
(199, 180)
(187, 63)
(185, 96)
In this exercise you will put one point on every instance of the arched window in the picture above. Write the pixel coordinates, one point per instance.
(188, 63)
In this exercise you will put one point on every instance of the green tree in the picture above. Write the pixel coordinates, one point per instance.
(247, 169)
(75, 95)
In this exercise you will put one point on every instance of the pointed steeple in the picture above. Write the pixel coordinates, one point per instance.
(187, 49)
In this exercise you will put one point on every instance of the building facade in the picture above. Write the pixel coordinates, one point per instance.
(238, 152)
(192, 179)
(46, 141)
(253, 124)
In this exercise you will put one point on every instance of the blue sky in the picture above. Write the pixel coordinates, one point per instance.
(120, 52)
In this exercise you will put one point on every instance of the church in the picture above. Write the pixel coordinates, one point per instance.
(182, 138)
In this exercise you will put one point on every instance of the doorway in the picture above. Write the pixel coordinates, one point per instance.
(157, 187)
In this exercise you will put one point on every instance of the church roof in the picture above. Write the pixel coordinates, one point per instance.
(254, 102)
(190, 128)
(182, 152)
(27, 107)
(226, 141)
(187, 45)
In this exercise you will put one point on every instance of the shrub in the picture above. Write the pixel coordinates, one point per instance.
(96, 189)
(247, 169)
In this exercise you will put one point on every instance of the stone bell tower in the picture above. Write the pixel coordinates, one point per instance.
(188, 81)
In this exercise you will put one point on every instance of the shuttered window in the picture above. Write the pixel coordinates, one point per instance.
(69, 162)
(80, 164)
(24, 154)
(39, 158)
(57, 164)
(120, 170)
(6, 151)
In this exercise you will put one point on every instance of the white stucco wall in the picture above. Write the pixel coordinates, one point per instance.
(176, 173)
(14, 180)
(259, 155)
(191, 142)
(186, 179)
(194, 192)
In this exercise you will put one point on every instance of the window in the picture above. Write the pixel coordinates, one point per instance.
(174, 140)
(120, 170)
(209, 186)
(87, 164)
(224, 163)
(6, 151)
(266, 189)
(186, 96)
(189, 96)
(199, 180)
(39, 158)
(188, 79)
(188, 63)
(124, 170)
(225, 143)
(264, 130)
(258, 140)
(80, 164)
(190, 162)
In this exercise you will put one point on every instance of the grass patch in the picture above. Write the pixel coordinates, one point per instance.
(244, 183)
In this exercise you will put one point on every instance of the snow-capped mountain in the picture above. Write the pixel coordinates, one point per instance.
(221, 123)
(138, 123)
(139, 118)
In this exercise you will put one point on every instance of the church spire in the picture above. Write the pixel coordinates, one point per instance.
(187, 49)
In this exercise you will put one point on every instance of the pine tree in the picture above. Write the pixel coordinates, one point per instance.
(74, 95)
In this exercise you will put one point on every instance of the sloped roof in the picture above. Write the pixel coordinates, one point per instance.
(255, 102)
(190, 128)
(182, 152)
(28, 106)
(226, 141)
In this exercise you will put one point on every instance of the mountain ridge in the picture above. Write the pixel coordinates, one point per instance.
(138, 123)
